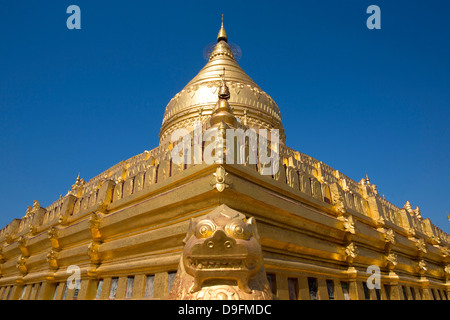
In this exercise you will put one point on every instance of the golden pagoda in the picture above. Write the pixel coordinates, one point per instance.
(151, 227)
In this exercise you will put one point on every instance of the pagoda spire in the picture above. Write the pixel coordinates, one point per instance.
(222, 34)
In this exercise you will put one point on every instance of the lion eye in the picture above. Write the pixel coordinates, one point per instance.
(238, 230)
(205, 229)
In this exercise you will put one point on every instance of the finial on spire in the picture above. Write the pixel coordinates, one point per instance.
(222, 34)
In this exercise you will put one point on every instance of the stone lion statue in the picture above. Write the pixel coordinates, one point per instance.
(221, 260)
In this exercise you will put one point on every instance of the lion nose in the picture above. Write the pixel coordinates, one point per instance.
(220, 240)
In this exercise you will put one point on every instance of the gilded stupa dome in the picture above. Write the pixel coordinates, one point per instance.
(249, 103)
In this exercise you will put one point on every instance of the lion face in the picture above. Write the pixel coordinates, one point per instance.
(222, 246)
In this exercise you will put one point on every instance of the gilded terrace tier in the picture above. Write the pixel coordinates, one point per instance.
(125, 228)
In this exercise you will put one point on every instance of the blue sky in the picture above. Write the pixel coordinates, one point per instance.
(357, 99)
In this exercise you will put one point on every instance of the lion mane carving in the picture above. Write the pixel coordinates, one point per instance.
(221, 260)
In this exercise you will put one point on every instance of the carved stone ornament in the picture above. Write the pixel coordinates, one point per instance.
(422, 266)
(445, 252)
(344, 184)
(52, 236)
(21, 265)
(349, 228)
(36, 205)
(411, 232)
(351, 252)
(447, 269)
(219, 181)
(417, 213)
(222, 259)
(77, 187)
(380, 222)
(93, 251)
(391, 260)
(339, 204)
(389, 236)
(29, 212)
(102, 207)
(408, 207)
(421, 246)
(33, 230)
(22, 241)
(94, 223)
(435, 240)
(62, 220)
(51, 259)
(337, 198)
(349, 225)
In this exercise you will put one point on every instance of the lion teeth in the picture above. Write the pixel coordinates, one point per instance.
(214, 264)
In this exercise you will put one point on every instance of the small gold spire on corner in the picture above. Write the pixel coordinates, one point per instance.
(222, 34)
(367, 179)
(223, 113)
